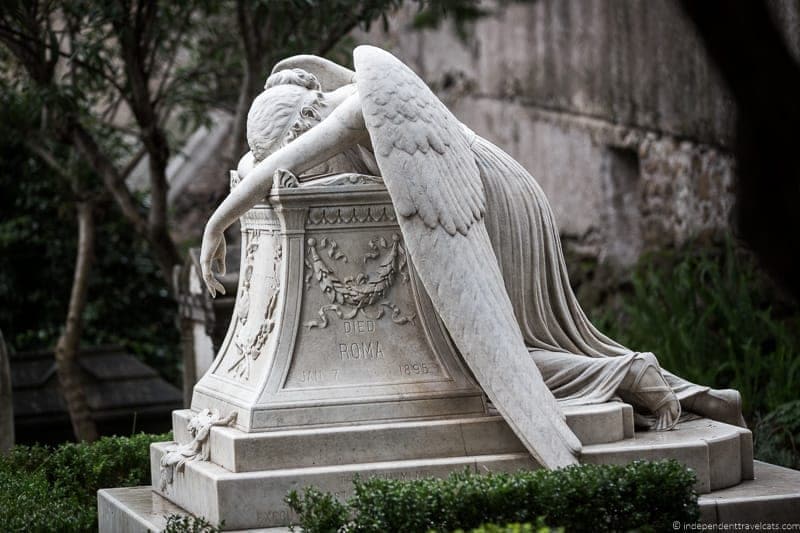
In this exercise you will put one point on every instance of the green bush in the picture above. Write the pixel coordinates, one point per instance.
(711, 317)
(777, 436)
(55, 489)
(581, 498)
(318, 511)
(189, 524)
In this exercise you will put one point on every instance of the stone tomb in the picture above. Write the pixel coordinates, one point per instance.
(335, 364)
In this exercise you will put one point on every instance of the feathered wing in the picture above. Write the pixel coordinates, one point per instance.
(425, 158)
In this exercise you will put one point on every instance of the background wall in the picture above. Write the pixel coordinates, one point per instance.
(612, 106)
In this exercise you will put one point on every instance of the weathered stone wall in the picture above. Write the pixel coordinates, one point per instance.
(612, 105)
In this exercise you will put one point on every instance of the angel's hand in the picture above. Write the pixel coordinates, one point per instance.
(213, 251)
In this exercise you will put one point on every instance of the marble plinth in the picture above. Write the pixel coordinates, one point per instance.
(238, 451)
(249, 474)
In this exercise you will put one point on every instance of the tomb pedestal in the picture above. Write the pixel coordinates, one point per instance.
(331, 325)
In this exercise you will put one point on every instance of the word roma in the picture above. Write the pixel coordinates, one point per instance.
(361, 351)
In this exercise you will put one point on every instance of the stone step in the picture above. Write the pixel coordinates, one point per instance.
(720, 454)
(772, 497)
(141, 510)
(238, 451)
(256, 499)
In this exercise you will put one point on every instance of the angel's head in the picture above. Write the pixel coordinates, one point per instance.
(292, 103)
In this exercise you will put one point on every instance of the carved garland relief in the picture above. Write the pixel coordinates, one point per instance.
(366, 293)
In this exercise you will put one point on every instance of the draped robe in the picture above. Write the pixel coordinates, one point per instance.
(579, 364)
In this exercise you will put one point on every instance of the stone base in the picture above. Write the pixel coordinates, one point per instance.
(249, 474)
(237, 451)
(720, 454)
(773, 497)
(256, 499)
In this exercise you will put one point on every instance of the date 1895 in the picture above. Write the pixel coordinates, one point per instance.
(416, 368)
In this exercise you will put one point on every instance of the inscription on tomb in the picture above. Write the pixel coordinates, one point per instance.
(358, 326)
(360, 351)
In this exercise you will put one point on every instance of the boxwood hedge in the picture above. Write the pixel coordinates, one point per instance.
(55, 489)
(639, 496)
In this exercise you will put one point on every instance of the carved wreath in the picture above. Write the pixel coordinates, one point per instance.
(365, 294)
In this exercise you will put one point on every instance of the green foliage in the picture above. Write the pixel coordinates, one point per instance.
(30, 503)
(128, 302)
(708, 315)
(582, 498)
(432, 13)
(46, 489)
(777, 436)
(189, 524)
(319, 511)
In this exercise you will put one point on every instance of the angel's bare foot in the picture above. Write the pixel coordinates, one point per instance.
(724, 405)
(644, 386)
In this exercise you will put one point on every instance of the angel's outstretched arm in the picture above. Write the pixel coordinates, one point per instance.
(342, 129)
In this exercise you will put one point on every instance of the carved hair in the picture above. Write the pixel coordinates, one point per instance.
(290, 105)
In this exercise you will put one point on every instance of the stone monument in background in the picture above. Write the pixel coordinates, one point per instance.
(403, 311)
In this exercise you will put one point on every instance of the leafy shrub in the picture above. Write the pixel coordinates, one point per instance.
(318, 511)
(30, 503)
(777, 435)
(189, 524)
(55, 489)
(582, 498)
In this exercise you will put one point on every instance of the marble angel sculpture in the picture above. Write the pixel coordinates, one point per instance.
(480, 233)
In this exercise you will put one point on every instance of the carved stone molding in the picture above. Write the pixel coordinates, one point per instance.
(331, 216)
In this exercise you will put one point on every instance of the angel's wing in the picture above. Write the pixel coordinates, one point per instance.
(330, 75)
(429, 169)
